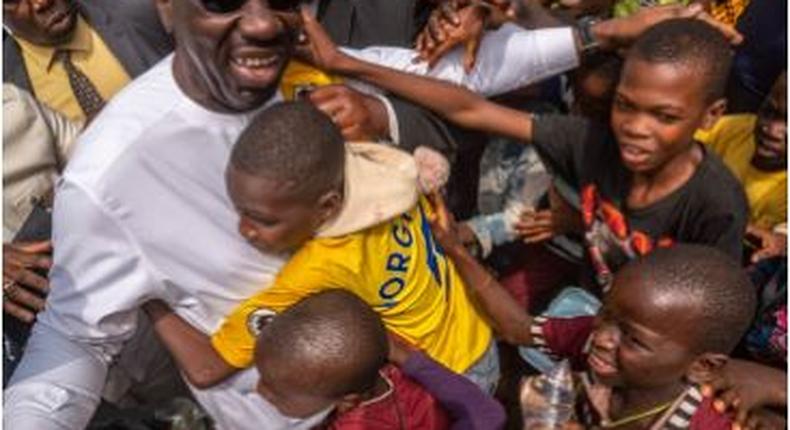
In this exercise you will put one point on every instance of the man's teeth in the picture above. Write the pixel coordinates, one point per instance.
(255, 62)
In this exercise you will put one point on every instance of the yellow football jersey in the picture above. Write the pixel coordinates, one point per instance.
(397, 268)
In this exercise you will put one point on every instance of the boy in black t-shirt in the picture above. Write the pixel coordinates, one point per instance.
(644, 181)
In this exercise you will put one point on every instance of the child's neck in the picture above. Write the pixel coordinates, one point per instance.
(650, 187)
(627, 402)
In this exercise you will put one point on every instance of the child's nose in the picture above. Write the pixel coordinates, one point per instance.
(776, 129)
(607, 337)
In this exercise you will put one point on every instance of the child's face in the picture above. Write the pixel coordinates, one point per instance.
(657, 108)
(643, 338)
(771, 130)
(272, 218)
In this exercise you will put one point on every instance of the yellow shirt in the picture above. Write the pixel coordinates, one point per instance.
(732, 138)
(48, 77)
(397, 269)
(299, 76)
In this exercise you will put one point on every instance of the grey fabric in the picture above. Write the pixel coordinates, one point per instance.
(130, 28)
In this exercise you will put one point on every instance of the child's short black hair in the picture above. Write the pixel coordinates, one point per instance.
(294, 144)
(707, 276)
(605, 64)
(333, 333)
(691, 43)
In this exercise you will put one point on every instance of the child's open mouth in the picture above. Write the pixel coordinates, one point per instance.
(600, 366)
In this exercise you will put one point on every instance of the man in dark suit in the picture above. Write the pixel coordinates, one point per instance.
(108, 41)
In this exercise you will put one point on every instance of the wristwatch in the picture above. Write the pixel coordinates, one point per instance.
(589, 43)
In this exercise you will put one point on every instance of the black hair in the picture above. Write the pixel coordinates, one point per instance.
(332, 333)
(703, 275)
(690, 43)
(604, 64)
(294, 144)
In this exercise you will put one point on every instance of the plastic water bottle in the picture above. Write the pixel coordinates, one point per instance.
(547, 401)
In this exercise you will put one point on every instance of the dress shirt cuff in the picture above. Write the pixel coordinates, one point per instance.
(392, 120)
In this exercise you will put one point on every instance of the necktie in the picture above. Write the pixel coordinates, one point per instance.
(87, 96)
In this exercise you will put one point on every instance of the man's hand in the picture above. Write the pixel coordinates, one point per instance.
(744, 388)
(460, 22)
(619, 33)
(20, 280)
(769, 244)
(360, 117)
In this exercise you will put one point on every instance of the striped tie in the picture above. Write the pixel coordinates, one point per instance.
(87, 96)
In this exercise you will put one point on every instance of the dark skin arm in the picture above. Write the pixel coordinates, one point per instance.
(458, 104)
(191, 348)
(455, 103)
(508, 318)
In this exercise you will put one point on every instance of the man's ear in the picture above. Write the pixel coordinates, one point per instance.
(706, 367)
(165, 10)
(348, 402)
(712, 114)
(329, 205)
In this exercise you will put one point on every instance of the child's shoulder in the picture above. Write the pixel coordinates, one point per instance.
(715, 188)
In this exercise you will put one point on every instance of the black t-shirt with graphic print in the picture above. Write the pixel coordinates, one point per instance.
(710, 209)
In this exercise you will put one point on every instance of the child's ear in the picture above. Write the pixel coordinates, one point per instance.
(712, 114)
(165, 9)
(329, 204)
(348, 402)
(706, 367)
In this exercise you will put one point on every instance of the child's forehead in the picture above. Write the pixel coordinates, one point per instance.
(639, 300)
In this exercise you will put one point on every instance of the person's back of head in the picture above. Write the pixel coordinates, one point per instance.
(326, 348)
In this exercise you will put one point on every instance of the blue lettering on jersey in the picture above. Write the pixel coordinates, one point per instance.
(397, 264)
(432, 248)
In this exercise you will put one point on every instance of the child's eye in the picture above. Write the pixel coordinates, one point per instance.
(633, 340)
(620, 104)
(667, 119)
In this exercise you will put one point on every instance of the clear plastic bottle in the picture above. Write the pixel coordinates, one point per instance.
(547, 401)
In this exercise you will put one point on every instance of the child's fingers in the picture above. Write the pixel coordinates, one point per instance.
(542, 237)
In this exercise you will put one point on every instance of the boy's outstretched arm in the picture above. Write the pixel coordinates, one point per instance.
(192, 350)
(510, 320)
(455, 103)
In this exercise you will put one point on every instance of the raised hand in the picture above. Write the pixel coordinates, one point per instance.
(619, 33)
(460, 22)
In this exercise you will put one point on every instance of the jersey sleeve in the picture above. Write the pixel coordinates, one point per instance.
(562, 338)
(311, 270)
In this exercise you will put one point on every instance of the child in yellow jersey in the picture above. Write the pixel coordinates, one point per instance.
(754, 147)
(352, 214)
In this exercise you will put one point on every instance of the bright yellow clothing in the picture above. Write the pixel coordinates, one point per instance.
(396, 268)
(299, 77)
(732, 138)
(49, 79)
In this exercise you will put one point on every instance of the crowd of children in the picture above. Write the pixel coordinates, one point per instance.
(632, 227)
